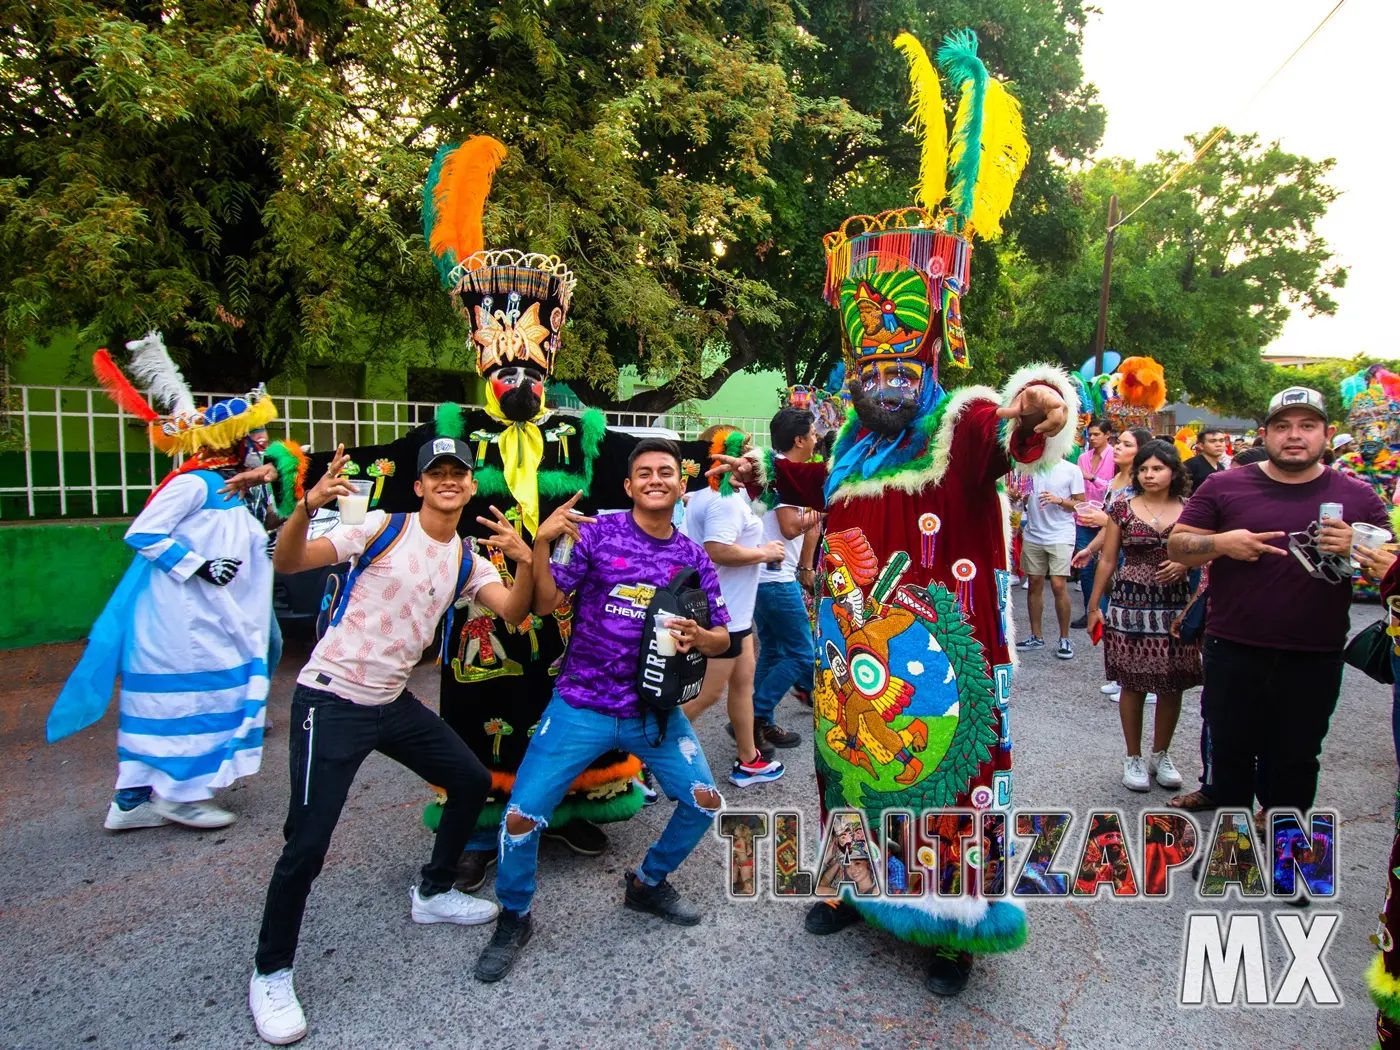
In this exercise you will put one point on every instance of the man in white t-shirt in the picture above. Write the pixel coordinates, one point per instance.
(351, 699)
(732, 536)
(1047, 545)
(785, 658)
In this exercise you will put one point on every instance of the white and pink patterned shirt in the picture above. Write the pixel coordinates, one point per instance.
(392, 613)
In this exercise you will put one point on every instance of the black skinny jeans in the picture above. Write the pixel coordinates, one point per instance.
(1271, 706)
(330, 737)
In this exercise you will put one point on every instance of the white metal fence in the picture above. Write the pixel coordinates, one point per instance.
(75, 454)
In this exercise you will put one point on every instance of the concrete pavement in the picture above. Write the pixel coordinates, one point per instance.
(145, 939)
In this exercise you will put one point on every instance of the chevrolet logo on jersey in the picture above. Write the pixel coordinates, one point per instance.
(639, 594)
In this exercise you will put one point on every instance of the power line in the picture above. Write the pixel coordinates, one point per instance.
(1220, 130)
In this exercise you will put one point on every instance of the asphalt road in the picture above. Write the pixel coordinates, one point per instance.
(145, 939)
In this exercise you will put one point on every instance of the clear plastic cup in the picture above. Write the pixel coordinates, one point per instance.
(1083, 505)
(1366, 535)
(665, 640)
(355, 506)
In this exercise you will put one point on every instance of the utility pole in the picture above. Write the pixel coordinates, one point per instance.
(1101, 330)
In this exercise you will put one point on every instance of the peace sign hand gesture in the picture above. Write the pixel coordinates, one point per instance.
(505, 539)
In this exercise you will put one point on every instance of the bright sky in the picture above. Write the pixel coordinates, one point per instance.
(1166, 69)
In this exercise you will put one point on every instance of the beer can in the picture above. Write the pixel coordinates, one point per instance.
(1329, 512)
(563, 551)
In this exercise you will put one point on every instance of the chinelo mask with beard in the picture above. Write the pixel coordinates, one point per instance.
(881, 415)
(519, 391)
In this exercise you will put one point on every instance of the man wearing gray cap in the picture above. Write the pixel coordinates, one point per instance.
(352, 697)
(1280, 596)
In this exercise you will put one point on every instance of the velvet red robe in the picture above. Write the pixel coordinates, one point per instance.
(914, 657)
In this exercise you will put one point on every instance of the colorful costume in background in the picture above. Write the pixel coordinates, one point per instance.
(1372, 398)
(497, 678)
(914, 661)
(192, 655)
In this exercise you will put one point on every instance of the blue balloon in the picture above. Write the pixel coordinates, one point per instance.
(1111, 360)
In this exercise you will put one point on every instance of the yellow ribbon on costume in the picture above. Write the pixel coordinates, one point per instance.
(522, 449)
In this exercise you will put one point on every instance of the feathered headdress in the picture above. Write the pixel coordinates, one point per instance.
(988, 149)
(454, 199)
(515, 302)
(184, 428)
(1142, 384)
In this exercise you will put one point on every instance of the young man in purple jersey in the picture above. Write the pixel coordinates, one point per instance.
(617, 563)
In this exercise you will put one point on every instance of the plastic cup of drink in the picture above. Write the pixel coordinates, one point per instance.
(1364, 535)
(665, 640)
(1081, 507)
(355, 506)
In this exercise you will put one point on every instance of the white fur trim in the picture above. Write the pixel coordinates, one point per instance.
(760, 466)
(1057, 447)
(941, 449)
(967, 910)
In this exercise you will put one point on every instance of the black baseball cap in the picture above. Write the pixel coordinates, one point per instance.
(445, 448)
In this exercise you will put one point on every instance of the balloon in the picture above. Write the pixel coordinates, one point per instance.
(1111, 360)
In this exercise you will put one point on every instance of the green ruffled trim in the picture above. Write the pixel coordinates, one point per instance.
(598, 811)
(769, 494)
(928, 429)
(733, 446)
(449, 420)
(290, 473)
(552, 484)
(1002, 929)
(1384, 989)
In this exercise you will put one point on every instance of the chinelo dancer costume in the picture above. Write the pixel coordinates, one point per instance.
(188, 626)
(914, 662)
(1372, 399)
(497, 678)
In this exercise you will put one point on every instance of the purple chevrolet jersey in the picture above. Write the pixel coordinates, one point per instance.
(615, 569)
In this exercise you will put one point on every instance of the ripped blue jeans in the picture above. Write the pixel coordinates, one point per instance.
(567, 740)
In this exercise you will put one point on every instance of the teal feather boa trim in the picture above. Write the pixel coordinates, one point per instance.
(1002, 929)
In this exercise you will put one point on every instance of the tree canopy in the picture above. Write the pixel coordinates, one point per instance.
(246, 176)
(1204, 276)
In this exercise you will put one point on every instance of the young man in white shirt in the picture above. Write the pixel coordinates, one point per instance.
(732, 535)
(1047, 545)
(785, 658)
(351, 699)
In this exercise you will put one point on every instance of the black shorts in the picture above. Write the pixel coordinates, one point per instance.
(736, 644)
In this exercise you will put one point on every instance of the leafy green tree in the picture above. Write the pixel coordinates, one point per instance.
(687, 159)
(1204, 276)
(238, 174)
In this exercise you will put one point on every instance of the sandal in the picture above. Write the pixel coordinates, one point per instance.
(1195, 802)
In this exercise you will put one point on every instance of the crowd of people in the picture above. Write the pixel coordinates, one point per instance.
(589, 642)
(1187, 581)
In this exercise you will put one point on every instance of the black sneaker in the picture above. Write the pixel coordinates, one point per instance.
(661, 899)
(1079, 624)
(948, 971)
(585, 839)
(823, 918)
(512, 933)
(776, 735)
(471, 869)
(764, 747)
(804, 696)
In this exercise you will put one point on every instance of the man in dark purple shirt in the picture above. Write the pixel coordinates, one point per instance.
(617, 564)
(1280, 595)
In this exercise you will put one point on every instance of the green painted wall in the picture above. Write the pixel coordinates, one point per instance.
(60, 578)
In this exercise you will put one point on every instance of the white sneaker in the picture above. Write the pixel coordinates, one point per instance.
(143, 816)
(192, 814)
(452, 906)
(1150, 698)
(276, 1011)
(1110, 689)
(1163, 768)
(1135, 774)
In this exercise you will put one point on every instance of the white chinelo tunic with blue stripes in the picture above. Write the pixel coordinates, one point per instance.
(194, 659)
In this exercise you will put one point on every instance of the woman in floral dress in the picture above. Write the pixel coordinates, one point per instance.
(1148, 592)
